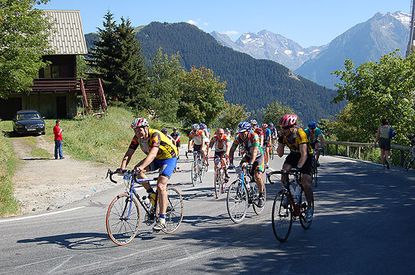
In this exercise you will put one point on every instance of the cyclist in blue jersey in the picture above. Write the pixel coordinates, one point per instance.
(267, 143)
(315, 136)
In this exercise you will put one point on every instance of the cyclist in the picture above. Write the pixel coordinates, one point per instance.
(258, 130)
(253, 155)
(176, 136)
(205, 141)
(384, 135)
(161, 154)
(164, 131)
(300, 156)
(197, 140)
(274, 133)
(315, 137)
(222, 147)
(267, 142)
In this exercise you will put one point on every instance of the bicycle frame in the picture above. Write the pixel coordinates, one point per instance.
(134, 183)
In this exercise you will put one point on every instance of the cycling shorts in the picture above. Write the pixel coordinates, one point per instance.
(385, 144)
(165, 166)
(294, 157)
(258, 164)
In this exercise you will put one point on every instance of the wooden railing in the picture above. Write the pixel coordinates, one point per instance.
(55, 85)
(358, 145)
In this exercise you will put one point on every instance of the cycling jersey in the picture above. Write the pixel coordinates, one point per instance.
(251, 141)
(313, 136)
(220, 143)
(267, 136)
(198, 137)
(294, 140)
(156, 139)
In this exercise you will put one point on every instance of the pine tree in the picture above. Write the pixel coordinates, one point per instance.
(130, 84)
(102, 58)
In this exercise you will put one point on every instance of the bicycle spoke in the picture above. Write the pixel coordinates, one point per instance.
(281, 216)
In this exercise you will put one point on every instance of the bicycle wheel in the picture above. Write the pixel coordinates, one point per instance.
(314, 173)
(282, 218)
(303, 211)
(218, 182)
(237, 202)
(258, 209)
(122, 219)
(174, 213)
(193, 173)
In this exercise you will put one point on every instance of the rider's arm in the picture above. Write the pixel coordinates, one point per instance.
(303, 151)
(149, 159)
(322, 140)
(126, 159)
(280, 148)
(232, 151)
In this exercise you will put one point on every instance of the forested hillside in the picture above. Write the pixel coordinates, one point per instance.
(252, 82)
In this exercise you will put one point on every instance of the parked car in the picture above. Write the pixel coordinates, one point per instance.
(28, 122)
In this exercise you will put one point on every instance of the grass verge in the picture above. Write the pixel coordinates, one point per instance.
(8, 160)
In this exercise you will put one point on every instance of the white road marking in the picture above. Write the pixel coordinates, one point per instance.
(40, 215)
(60, 265)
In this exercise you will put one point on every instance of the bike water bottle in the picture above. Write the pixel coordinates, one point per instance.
(152, 198)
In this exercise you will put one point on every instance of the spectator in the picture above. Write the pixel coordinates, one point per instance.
(57, 131)
(383, 136)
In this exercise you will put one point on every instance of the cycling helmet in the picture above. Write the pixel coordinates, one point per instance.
(220, 131)
(164, 131)
(244, 126)
(195, 126)
(288, 120)
(271, 124)
(139, 123)
(254, 122)
(312, 124)
(202, 126)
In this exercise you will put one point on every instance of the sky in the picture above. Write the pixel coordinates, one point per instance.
(307, 22)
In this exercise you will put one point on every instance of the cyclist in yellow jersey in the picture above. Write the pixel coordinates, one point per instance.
(161, 154)
(300, 156)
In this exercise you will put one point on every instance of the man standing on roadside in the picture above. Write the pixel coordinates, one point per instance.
(57, 131)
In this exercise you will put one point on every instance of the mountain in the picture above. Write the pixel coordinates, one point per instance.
(252, 82)
(271, 46)
(362, 43)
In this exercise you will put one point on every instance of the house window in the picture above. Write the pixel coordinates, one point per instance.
(52, 71)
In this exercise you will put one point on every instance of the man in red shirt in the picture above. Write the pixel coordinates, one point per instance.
(57, 131)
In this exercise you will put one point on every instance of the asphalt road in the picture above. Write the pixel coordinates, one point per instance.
(364, 224)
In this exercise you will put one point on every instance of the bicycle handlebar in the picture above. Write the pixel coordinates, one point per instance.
(294, 171)
(131, 172)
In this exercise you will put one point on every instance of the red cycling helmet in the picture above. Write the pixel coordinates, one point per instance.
(288, 120)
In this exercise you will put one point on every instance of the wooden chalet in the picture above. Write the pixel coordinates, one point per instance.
(57, 93)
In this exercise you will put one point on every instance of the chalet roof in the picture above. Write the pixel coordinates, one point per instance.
(67, 35)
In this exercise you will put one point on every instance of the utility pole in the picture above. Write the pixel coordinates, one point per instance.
(411, 31)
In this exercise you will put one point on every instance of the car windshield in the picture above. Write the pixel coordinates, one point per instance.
(28, 116)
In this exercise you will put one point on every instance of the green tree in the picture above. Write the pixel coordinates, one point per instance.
(231, 115)
(130, 84)
(275, 110)
(102, 58)
(24, 35)
(203, 96)
(377, 90)
(165, 93)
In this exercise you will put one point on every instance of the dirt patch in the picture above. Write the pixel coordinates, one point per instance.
(42, 184)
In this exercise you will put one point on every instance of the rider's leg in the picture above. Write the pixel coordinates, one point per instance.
(162, 191)
(308, 190)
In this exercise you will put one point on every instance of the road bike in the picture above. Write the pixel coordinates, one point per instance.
(123, 219)
(289, 204)
(219, 178)
(198, 168)
(315, 165)
(242, 193)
